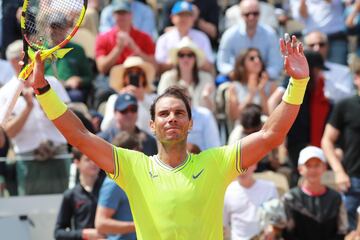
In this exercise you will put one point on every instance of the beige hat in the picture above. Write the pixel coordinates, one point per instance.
(117, 72)
(187, 43)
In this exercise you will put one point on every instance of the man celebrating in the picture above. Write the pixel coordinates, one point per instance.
(174, 194)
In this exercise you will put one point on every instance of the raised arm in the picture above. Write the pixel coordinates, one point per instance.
(68, 124)
(255, 146)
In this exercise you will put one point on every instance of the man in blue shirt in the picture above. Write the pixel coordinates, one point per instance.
(250, 34)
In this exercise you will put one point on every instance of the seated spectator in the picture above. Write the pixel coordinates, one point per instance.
(76, 217)
(266, 13)
(250, 34)
(242, 201)
(206, 14)
(125, 115)
(338, 77)
(113, 214)
(143, 17)
(182, 16)
(74, 68)
(35, 138)
(187, 60)
(313, 210)
(136, 77)
(116, 45)
(327, 18)
(250, 84)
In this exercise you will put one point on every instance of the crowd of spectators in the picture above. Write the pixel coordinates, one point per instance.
(225, 55)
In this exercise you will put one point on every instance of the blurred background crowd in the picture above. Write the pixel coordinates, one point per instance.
(225, 55)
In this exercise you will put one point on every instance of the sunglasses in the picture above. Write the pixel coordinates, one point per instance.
(255, 14)
(130, 109)
(320, 44)
(188, 55)
(253, 58)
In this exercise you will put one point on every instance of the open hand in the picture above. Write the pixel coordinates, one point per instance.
(295, 62)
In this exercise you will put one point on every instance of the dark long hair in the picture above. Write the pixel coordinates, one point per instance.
(239, 73)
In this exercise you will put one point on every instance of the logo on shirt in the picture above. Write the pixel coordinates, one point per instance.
(197, 175)
(153, 175)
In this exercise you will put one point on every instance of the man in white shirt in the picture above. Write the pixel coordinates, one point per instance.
(243, 199)
(338, 79)
(183, 18)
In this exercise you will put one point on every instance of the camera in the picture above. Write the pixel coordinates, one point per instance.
(134, 79)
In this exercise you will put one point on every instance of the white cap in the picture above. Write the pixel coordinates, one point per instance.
(311, 152)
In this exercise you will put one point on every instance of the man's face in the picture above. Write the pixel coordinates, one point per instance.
(312, 170)
(87, 167)
(250, 12)
(58, 33)
(126, 119)
(123, 19)
(171, 123)
(184, 20)
(315, 42)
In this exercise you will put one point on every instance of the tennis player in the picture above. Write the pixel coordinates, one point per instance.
(174, 194)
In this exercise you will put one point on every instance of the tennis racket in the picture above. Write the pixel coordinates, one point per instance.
(47, 26)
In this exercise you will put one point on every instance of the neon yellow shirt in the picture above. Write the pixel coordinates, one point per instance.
(179, 203)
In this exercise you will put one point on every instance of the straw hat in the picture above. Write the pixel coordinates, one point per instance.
(187, 43)
(117, 72)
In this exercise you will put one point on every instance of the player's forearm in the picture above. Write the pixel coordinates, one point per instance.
(282, 118)
(14, 126)
(112, 226)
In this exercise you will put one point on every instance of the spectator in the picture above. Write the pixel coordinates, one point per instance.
(122, 41)
(187, 60)
(117, 44)
(249, 34)
(242, 201)
(74, 68)
(183, 18)
(344, 124)
(136, 77)
(338, 78)
(206, 17)
(126, 114)
(313, 210)
(326, 17)
(143, 17)
(267, 15)
(113, 214)
(76, 217)
(250, 84)
(35, 138)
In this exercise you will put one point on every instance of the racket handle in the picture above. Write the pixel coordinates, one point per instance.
(9, 94)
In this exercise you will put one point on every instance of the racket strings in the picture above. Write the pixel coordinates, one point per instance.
(48, 23)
